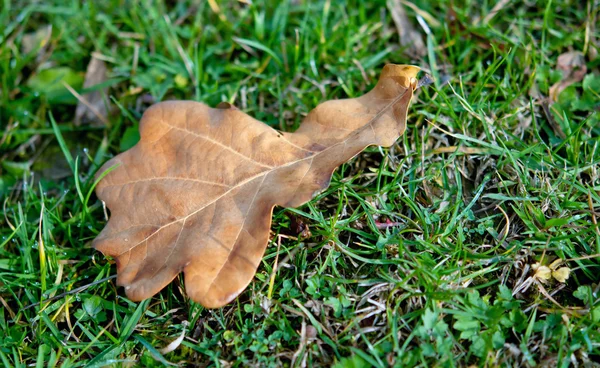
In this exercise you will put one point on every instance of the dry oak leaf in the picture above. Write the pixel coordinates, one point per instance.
(573, 67)
(197, 192)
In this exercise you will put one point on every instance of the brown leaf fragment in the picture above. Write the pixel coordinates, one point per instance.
(197, 192)
(37, 40)
(409, 36)
(91, 106)
(572, 65)
(299, 227)
(460, 29)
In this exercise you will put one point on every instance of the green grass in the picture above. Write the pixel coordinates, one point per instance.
(420, 255)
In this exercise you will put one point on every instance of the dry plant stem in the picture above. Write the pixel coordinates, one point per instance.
(85, 102)
(275, 268)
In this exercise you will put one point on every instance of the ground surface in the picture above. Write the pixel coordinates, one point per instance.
(421, 255)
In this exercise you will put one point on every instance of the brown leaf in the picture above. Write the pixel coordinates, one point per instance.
(572, 65)
(37, 40)
(299, 227)
(91, 106)
(409, 36)
(459, 29)
(197, 192)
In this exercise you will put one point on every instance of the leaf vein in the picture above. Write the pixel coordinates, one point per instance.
(174, 178)
(215, 142)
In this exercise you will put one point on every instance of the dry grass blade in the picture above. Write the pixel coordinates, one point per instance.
(175, 343)
(572, 65)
